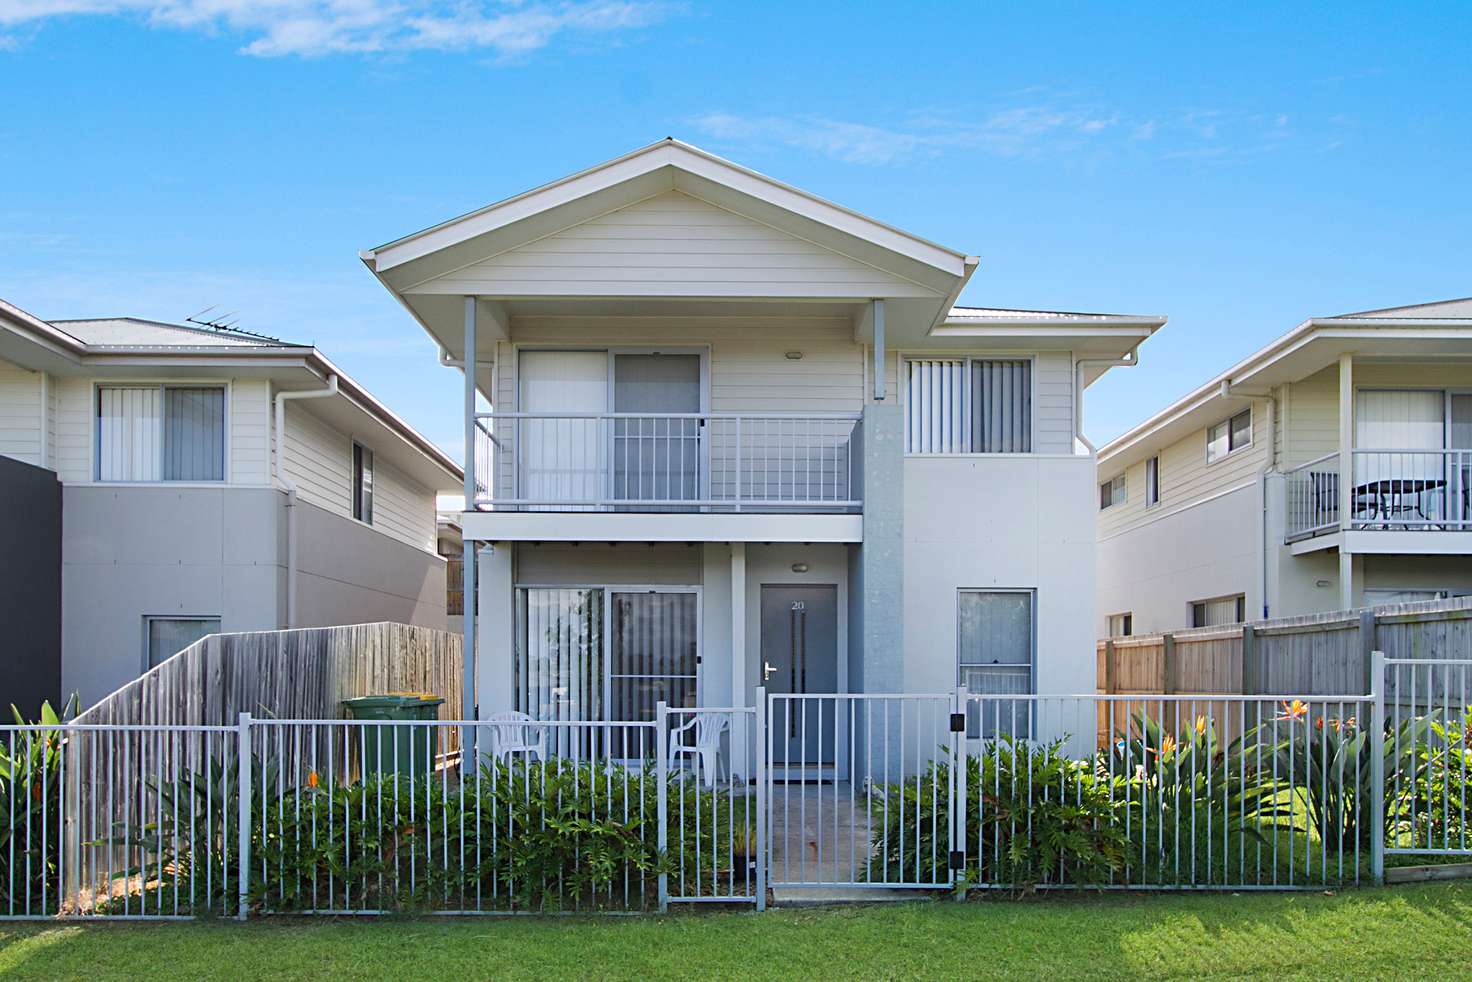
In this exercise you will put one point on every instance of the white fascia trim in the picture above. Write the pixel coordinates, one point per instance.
(493, 526)
(1338, 328)
(681, 156)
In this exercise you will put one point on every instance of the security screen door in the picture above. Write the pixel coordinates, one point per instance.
(656, 458)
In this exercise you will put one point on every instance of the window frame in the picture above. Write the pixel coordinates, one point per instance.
(1240, 611)
(1152, 481)
(1227, 422)
(1124, 486)
(1032, 658)
(967, 359)
(359, 451)
(149, 619)
(95, 434)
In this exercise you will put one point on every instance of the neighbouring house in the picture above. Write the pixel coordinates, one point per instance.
(1330, 470)
(727, 434)
(213, 480)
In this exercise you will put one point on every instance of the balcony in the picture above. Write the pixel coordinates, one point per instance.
(773, 463)
(1391, 490)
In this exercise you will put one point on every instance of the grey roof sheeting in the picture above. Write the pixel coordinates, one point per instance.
(1015, 314)
(1435, 310)
(135, 332)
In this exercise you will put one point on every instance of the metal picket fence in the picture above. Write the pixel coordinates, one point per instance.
(811, 794)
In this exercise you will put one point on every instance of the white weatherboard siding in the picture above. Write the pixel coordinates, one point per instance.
(673, 245)
(319, 461)
(21, 413)
(1186, 478)
(749, 370)
(401, 508)
(75, 420)
(250, 432)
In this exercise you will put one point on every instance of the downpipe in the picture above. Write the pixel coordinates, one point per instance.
(286, 484)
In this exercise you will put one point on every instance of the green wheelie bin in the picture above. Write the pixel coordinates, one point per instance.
(397, 751)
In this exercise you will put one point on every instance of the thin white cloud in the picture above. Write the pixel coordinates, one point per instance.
(314, 28)
(1021, 130)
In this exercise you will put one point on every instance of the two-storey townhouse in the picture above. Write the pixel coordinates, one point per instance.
(728, 434)
(1330, 470)
(212, 480)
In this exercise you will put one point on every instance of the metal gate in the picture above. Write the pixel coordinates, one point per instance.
(860, 790)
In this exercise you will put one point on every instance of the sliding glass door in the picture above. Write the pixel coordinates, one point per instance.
(606, 653)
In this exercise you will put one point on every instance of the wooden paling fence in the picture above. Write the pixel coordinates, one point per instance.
(1314, 654)
(298, 674)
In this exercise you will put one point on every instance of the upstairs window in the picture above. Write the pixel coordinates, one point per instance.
(1112, 492)
(160, 433)
(362, 483)
(1152, 482)
(973, 405)
(1229, 436)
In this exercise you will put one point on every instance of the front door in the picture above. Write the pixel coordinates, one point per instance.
(800, 656)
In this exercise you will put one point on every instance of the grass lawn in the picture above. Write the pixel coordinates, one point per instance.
(1417, 931)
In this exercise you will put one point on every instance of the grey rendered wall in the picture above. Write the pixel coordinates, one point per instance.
(30, 587)
(878, 575)
(1155, 570)
(128, 553)
(1005, 522)
(349, 573)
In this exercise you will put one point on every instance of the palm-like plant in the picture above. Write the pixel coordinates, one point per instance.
(30, 810)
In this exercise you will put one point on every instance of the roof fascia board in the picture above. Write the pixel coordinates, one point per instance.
(680, 157)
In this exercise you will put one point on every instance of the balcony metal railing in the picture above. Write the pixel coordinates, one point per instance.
(667, 462)
(1400, 490)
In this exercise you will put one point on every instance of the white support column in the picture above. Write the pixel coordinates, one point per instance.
(878, 350)
(496, 666)
(738, 623)
(739, 763)
(1346, 478)
(468, 709)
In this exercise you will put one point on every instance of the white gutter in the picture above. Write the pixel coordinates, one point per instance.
(1130, 360)
(286, 483)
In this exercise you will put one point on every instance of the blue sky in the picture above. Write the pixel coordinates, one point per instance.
(1236, 168)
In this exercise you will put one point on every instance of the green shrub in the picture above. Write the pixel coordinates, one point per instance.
(1034, 817)
(30, 813)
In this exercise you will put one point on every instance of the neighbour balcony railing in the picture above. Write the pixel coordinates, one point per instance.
(1401, 490)
(667, 462)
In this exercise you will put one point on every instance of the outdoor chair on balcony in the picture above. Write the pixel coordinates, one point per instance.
(702, 739)
(515, 733)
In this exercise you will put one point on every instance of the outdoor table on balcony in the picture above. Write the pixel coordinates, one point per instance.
(1393, 496)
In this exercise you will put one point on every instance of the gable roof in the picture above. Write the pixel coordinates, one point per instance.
(132, 332)
(130, 346)
(1420, 332)
(426, 270)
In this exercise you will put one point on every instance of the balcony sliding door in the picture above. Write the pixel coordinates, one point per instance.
(656, 459)
(1407, 478)
(562, 460)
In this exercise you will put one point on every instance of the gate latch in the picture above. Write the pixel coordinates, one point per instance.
(958, 722)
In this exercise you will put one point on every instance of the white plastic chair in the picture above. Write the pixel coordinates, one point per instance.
(517, 733)
(704, 743)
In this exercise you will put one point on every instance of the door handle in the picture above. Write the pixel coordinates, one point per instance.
(767, 671)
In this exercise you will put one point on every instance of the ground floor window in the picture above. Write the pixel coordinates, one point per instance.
(165, 637)
(1121, 625)
(605, 653)
(1378, 597)
(1218, 611)
(996, 638)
